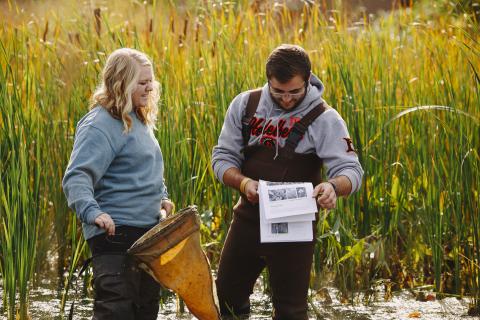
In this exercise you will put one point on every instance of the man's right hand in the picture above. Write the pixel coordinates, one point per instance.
(251, 191)
(233, 177)
(105, 222)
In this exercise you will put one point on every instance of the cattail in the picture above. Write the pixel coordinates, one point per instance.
(44, 37)
(324, 7)
(255, 6)
(98, 22)
(185, 28)
(172, 24)
(214, 48)
(182, 37)
(197, 29)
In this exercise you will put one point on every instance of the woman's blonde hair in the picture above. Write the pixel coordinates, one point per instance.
(119, 80)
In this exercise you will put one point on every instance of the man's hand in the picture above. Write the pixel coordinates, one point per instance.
(166, 208)
(325, 195)
(233, 178)
(105, 222)
(251, 191)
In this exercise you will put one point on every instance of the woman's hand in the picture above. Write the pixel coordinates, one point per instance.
(166, 207)
(105, 222)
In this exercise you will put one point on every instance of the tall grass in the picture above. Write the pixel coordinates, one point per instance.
(415, 220)
(20, 196)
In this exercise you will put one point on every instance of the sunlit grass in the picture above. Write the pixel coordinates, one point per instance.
(21, 205)
(415, 219)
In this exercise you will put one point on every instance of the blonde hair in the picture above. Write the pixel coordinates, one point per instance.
(119, 80)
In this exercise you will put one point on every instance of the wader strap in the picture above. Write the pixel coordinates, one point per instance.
(251, 108)
(300, 128)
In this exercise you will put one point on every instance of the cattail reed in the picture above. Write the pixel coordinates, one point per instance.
(97, 21)
(45, 31)
(414, 221)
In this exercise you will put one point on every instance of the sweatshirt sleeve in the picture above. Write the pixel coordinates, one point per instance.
(164, 190)
(336, 149)
(227, 153)
(91, 156)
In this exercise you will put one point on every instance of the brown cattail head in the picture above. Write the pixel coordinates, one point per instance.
(172, 23)
(45, 31)
(98, 21)
(197, 29)
(185, 27)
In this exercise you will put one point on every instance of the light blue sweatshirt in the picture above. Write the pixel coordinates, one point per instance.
(114, 172)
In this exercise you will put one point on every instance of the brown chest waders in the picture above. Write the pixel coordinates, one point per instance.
(243, 256)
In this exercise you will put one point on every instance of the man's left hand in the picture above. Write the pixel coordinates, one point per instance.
(325, 195)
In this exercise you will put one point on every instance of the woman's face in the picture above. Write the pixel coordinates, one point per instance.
(144, 86)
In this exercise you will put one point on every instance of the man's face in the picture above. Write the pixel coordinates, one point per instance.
(289, 94)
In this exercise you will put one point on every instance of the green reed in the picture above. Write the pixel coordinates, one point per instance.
(414, 221)
(21, 179)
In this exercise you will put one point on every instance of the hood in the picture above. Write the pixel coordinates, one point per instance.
(314, 93)
(270, 118)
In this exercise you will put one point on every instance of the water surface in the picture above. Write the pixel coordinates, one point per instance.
(45, 304)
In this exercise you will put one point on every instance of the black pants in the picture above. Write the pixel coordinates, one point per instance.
(244, 257)
(122, 290)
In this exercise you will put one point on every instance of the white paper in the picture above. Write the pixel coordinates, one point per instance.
(302, 217)
(287, 199)
(291, 226)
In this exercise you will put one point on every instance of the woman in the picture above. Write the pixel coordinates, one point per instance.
(114, 182)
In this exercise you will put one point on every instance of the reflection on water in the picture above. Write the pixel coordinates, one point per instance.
(45, 305)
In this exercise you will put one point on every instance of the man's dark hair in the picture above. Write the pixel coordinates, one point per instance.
(288, 61)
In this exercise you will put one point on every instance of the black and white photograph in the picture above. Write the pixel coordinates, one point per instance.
(291, 193)
(301, 192)
(277, 194)
(281, 227)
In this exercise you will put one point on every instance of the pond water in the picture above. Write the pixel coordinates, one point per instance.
(402, 305)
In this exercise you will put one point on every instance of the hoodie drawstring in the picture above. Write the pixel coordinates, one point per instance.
(277, 141)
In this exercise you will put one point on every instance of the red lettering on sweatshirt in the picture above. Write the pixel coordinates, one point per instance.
(268, 130)
(349, 145)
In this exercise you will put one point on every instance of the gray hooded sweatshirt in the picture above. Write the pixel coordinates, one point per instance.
(327, 136)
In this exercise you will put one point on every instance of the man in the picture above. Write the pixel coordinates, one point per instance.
(282, 132)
